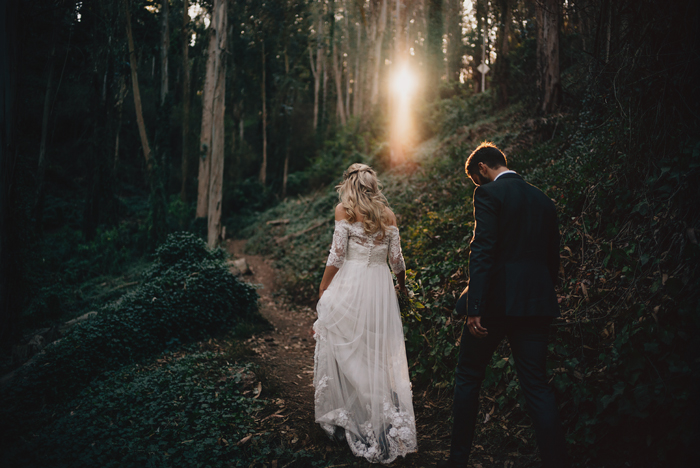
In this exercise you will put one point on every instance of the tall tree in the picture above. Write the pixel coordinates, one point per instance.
(481, 11)
(211, 167)
(336, 50)
(158, 228)
(120, 112)
(205, 142)
(434, 56)
(317, 68)
(549, 79)
(357, 86)
(216, 177)
(164, 46)
(377, 31)
(502, 51)
(455, 49)
(10, 309)
(185, 97)
(263, 166)
(41, 173)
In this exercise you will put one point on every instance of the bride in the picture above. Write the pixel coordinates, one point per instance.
(363, 392)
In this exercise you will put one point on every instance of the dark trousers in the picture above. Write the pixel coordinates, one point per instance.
(528, 341)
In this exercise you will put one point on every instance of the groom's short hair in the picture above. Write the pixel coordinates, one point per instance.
(488, 154)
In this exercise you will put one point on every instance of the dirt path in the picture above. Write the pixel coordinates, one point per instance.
(285, 356)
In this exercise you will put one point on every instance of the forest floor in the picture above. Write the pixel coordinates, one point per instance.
(284, 355)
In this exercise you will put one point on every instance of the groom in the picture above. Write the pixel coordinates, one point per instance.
(513, 266)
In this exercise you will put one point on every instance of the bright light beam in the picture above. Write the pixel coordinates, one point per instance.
(403, 85)
(403, 82)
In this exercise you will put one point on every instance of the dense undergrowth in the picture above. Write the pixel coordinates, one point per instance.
(143, 383)
(624, 354)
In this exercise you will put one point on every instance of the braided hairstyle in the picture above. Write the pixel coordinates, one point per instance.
(360, 194)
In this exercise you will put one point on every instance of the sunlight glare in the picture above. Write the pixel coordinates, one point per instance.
(404, 84)
(404, 81)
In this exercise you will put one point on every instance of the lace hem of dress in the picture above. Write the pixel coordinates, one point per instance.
(381, 445)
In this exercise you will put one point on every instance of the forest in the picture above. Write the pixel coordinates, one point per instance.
(147, 146)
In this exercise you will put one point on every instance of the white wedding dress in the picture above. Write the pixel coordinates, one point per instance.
(360, 371)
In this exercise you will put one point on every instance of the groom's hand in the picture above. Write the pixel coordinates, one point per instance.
(475, 328)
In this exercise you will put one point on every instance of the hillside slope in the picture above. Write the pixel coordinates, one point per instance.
(623, 357)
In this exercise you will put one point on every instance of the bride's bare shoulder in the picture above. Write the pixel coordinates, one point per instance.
(340, 212)
(389, 216)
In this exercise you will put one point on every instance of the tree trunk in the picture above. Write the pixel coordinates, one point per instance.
(285, 174)
(216, 176)
(120, 111)
(347, 61)
(338, 74)
(549, 81)
(185, 97)
(263, 166)
(39, 201)
(357, 88)
(205, 142)
(10, 272)
(434, 48)
(157, 195)
(502, 63)
(317, 68)
(164, 46)
(137, 94)
(378, 38)
(454, 39)
(480, 9)
(288, 119)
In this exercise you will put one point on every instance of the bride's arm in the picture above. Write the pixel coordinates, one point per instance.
(336, 258)
(328, 275)
(396, 260)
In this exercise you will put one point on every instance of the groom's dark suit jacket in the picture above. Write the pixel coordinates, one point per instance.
(514, 259)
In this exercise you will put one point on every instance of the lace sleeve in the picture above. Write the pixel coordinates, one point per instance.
(339, 247)
(395, 256)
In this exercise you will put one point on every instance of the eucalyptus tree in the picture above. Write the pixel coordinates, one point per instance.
(157, 195)
(211, 162)
(548, 74)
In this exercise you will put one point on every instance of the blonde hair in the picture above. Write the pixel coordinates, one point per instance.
(360, 193)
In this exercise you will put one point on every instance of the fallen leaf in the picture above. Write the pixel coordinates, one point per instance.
(245, 439)
(259, 391)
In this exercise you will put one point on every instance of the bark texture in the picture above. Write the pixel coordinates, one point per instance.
(549, 79)
(453, 18)
(211, 168)
(205, 142)
(39, 202)
(164, 46)
(263, 166)
(503, 49)
(434, 57)
(137, 94)
(185, 97)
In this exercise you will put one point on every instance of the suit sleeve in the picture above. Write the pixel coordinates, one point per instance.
(483, 249)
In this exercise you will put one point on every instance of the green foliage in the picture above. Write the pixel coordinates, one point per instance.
(188, 294)
(58, 267)
(189, 411)
(300, 257)
(621, 358)
(180, 409)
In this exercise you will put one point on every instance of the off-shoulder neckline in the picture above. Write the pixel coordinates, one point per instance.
(360, 222)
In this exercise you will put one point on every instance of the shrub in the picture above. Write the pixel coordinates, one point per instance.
(188, 294)
(189, 411)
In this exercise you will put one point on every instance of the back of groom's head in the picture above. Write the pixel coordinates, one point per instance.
(488, 154)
